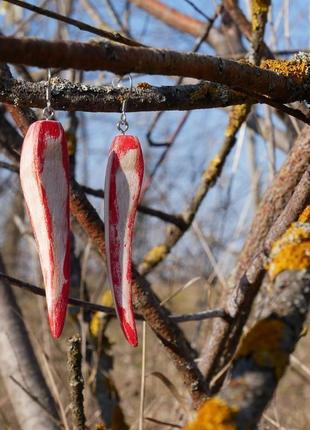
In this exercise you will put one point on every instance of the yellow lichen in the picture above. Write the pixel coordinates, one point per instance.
(71, 142)
(263, 343)
(214, 414)
(212, 168)
(237, 116)
(155, 254)
(292, 250)
(96, 321)
(259, 10)
(296, 69)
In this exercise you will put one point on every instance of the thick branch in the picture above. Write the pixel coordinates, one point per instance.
(262, 357)
(123, 59)
(144, 97)
(281, 204)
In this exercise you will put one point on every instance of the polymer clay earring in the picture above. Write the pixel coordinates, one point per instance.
(44, 174)
(123, 182)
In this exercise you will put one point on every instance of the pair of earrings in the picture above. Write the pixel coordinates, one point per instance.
(44, 173)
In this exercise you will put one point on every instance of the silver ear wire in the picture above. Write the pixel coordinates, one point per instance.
(48, 111)
(122, 124)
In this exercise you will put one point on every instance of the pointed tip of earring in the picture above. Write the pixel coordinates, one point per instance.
(128, 328)
(56, 318)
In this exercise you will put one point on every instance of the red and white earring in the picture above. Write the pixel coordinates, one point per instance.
(44, 174)
(123, 182)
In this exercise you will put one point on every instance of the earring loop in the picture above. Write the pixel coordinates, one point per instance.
(48, 111)
(122, 125)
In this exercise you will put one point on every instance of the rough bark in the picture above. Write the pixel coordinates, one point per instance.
(249, 273)
(144, 97)
(123, 59)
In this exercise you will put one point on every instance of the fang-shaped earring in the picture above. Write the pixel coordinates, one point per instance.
(44, 174)
(123, 181)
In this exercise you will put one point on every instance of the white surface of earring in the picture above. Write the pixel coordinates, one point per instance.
(48, 111)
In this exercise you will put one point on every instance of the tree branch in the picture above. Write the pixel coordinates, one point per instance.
(76, 382)
(144, 97)
(263, 356)
(123, 59)
(281, 204)
(94, 307)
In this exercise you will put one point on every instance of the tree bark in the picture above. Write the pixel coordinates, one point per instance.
(291, 77)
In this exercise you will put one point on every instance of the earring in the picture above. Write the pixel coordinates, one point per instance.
(44, 174)
(123, 181)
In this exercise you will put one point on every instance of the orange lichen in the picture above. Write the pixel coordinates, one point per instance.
(214, 414)
(237, 116)
(305, 215)
(296, 69)
(292, 250)
(263, 343)
(144, 86)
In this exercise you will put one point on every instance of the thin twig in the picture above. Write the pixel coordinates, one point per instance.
(76, 382)
(94, 307)
(116, 37)
(142, 386)
(163, 423)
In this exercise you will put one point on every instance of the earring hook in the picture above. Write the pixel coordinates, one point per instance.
(48, 111)
(122, 124)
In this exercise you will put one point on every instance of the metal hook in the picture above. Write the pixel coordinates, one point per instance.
(123, 125)
(48, 111)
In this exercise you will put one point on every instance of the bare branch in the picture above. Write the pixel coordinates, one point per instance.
(115, 36)
(264, 352)
(94, 307)
(144, 97)
(76, 382)
(282, 195)
(123, 59)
